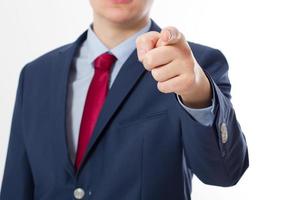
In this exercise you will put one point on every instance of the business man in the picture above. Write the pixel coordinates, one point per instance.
(127, 111)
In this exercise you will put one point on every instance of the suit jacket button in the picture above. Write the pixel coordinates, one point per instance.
(224, 133)
(78, 193)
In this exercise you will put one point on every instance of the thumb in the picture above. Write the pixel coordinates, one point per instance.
(169, 35)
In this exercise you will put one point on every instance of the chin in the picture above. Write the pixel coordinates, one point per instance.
(118, 17)
(121, 16)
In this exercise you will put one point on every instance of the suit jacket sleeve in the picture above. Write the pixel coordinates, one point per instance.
(17, 181)
(217, 154)
(204, 116)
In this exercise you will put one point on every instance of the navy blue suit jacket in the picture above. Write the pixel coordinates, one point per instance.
(145, 145)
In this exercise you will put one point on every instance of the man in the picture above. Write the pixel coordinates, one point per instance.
(127, 111)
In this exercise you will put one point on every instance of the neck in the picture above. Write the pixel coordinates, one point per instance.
(112, 34)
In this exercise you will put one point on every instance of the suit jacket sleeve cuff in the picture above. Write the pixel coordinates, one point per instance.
(204, 116)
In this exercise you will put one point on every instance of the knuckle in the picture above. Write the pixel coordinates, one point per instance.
(146, 65)
(155, 74)
(148, 61)
(151, 35)
(139, 40)
(161, 87)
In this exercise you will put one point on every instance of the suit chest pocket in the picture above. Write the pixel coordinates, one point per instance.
(144, 120)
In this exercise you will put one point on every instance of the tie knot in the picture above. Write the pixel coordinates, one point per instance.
(104, 61)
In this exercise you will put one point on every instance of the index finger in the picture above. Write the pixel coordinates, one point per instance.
(170, 35)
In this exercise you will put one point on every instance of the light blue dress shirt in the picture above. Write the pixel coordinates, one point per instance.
(82, 72)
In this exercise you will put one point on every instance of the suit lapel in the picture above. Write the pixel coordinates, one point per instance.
(61, 67)
(131, 71)
(127, 77)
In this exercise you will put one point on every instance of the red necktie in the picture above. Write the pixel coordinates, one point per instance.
(95, 98)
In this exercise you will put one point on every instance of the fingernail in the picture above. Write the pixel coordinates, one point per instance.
(170, 35)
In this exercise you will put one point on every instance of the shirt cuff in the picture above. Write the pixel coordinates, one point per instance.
(204, 116)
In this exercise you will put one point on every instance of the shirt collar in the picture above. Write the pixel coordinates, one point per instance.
(122, 51)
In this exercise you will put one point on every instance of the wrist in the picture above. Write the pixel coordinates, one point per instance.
(199, 96)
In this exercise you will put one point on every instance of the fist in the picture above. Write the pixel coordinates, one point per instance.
(172, 64)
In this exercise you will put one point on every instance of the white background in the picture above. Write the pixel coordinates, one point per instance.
(260, 39)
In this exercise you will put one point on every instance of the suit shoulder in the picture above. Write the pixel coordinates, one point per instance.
(200, 47)
(43, 60)
(206, 53)
(207, 56)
